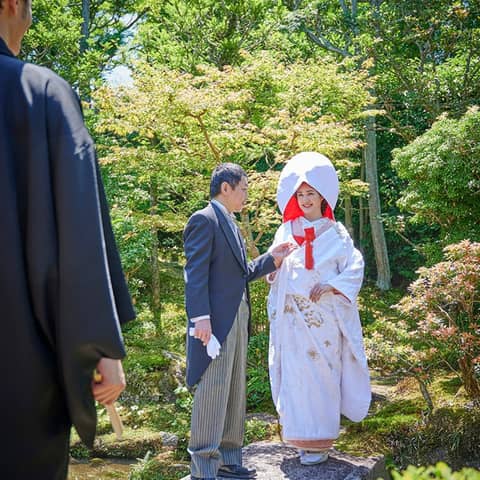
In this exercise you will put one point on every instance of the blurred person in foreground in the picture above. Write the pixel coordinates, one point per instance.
(62, 289)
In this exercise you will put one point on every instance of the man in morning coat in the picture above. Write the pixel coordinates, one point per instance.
(218, 308)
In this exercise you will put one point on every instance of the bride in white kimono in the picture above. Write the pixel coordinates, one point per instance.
(318, 367)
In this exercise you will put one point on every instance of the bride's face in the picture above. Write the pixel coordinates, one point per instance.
(309, 201)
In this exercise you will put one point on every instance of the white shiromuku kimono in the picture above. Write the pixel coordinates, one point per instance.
(318, 367)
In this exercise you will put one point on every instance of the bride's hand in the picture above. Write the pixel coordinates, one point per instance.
(318, 290)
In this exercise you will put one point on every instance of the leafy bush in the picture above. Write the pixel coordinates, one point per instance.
(258, 302)
(259, 430)
(258, 382)
(444, 305)
(442, 171)
(440, 471)
(393, 348)
(447, 434)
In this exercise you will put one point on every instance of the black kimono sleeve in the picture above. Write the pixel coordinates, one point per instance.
(91, 291)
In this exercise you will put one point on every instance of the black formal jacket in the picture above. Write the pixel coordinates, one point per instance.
(62, 289)
(216, 276)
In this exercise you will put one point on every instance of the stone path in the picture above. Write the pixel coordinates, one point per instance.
(275, 461)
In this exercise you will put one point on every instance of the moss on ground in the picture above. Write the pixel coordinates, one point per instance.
(401, 428)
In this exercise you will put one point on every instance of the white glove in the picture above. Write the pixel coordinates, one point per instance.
(213, 347)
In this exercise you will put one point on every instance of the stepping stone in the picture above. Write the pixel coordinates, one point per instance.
(275, 461)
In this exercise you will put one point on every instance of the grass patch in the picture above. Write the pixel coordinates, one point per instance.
(370, 437)
(448, 434)
(259, 430)
(160, 467)
(406, 433)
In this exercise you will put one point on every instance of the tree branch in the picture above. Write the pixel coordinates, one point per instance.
(321, 41)
(203, 128)
(346, 12)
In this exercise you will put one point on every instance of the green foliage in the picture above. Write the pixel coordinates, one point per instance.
(439, 327)
(181, 422)
(155, 468)
(399, 427)
(79, 450)
(440, 471)
(258, 382)
(258, 301)
(185, 34)
(258, 430)
(446, 434)
(146, 469)
(375, 305)
(55, 39)
(371, 436)
(425, 60)
(442, 168)
(160, 140)
(443, 304)
(392, 348)
(424, 53)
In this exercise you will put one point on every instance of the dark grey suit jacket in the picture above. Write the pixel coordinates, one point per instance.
(216, 275)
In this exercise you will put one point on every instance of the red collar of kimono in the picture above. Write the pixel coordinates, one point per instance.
(293, 211)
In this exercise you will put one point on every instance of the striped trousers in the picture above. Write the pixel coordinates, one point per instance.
(218, 413)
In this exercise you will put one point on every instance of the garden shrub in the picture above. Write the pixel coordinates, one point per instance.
(258, 382)
(444, 307)
(451, 435)
(440, 471)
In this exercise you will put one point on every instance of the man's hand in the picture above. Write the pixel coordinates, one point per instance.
(281, 251)
(112, 381)
(203, 331)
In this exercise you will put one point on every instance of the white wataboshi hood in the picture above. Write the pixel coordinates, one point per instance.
(314, 169)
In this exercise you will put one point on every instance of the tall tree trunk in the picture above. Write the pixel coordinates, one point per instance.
(83, 84)
(362, 212)
(349, 216)
(351, 40)
(156, 298)
(378, 234)
(85, 26)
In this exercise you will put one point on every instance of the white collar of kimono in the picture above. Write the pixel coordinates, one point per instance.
(314, 223)
(312, 168)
